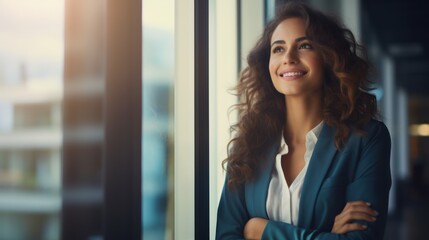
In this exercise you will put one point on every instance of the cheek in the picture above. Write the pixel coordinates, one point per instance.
(317, 66)
(272, 66)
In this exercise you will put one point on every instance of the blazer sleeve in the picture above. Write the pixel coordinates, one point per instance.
(371, 183)
(232, 213)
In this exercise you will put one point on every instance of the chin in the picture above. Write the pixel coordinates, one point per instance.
(288, 91)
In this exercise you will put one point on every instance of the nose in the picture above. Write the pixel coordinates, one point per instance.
(290, 56)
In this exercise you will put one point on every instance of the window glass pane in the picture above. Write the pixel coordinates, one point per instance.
(158, 75)
(31, 65)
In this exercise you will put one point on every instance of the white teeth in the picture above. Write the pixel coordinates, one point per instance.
(291, 74)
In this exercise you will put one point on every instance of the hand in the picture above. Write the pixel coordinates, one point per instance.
(358, 210)
(254, 228)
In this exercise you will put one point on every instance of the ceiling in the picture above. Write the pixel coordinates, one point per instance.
(402, 30)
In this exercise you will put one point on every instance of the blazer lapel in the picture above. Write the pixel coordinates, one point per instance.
(321, 159)
(257, 190)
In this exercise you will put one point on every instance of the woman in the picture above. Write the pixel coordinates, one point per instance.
(308, 160)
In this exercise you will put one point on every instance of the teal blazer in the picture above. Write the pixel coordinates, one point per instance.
(360, 170)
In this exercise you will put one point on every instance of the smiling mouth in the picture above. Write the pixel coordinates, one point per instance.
(292, 74)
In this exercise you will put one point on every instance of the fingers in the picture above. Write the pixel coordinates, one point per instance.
(358, 210)
(351, 227)
(353, 211)
(348, 217)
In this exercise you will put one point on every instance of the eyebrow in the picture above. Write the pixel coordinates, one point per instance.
(300, 39)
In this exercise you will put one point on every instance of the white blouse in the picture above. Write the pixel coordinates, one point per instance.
(283, 200)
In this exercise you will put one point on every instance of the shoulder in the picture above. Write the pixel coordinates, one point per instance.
(376, 131)
(373, 132)
(374, 141)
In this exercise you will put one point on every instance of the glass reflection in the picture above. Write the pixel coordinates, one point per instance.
(158, 73)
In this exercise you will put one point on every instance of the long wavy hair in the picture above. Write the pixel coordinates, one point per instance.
(347, 105)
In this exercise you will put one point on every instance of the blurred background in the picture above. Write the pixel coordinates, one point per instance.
(31, 73)
(53, 101)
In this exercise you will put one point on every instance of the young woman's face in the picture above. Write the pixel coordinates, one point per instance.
(296, 67)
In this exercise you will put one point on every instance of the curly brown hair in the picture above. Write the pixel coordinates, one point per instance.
(347, 105)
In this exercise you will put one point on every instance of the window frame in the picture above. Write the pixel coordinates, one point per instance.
(201, 173)
(123, 121)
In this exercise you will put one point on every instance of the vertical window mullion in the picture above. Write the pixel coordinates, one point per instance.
(122, 119)
(201, 119)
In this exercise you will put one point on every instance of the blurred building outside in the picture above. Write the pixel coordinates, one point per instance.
(31, 58)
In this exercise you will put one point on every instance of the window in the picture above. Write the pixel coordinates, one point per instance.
(31, 64)
(158, 107)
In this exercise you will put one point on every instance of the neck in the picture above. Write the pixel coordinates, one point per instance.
(302, 115)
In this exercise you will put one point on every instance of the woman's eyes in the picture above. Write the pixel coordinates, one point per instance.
(280, 49)
(305, 46)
